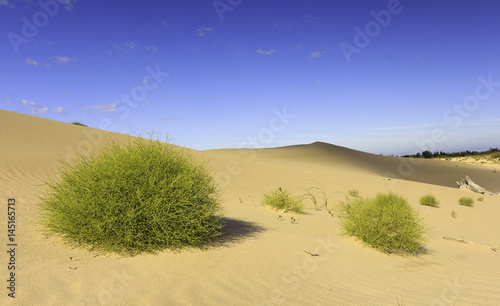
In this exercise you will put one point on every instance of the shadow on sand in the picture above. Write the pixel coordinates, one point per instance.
(236, 230)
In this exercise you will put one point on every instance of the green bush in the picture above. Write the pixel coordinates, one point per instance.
(465, 201)
(480, 199)
(283, 199)
(353, 193)
(141, 197)
(386, 222)
(78, 123)
(429, 200)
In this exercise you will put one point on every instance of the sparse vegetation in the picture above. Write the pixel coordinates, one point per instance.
(78, 123)
(453, 214)
(141, 197)
(314, 199)
(282, 199)
(353, 193)
(466, 201)
(492, 152)
(319, 202)
(429, 200)
(386, 222)
(495, 155)
(480, 199)
(402, 301)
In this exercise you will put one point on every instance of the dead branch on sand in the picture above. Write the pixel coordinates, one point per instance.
(467, 183)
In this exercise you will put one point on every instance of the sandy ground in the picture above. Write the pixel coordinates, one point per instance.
(263, 257)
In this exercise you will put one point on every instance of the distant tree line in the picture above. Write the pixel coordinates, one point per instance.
(440, 154)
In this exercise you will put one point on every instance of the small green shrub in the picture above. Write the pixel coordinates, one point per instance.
(282, 199)
(495, 155)
(480, 199)
(353, 193)
(78, 123)
(386, 222)
(429, 200)
(143, 197)
(465, 201)
(453, 214)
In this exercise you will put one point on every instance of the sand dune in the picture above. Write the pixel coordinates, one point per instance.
(418, 170)
(262, 259)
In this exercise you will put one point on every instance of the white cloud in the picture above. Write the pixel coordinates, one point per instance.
(69, 4)
(26, 102)
(30, 62)
(298, 47)
(310, 19)
(163, 119)
(317, 54)
(103, 108)
(203, 31)
(266, 52)
(131, 44)
(62, 59)
(39, 110)
(128, 45)
(6, 3)
(35, 109)
(60, 110)
(7, 100)
(154, 49)
(147, 27)
(164, 23)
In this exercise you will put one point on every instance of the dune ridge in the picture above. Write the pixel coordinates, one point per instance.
(436, 172)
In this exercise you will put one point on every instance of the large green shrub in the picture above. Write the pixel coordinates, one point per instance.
(141, 197)
(386, 222)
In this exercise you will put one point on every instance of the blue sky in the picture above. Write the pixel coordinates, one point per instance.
(391, 77)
